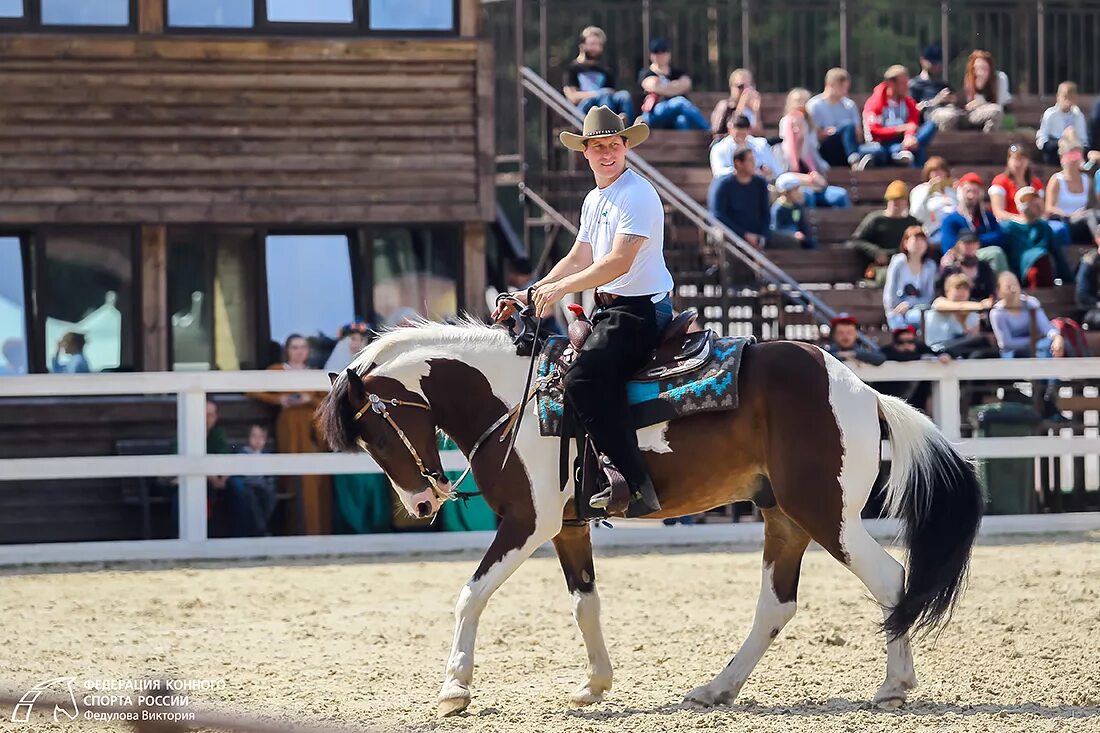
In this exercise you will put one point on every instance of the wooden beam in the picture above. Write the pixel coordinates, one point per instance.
(486, 131)
(469, 21)
(151, 17)
(473, 268)
(154, 297)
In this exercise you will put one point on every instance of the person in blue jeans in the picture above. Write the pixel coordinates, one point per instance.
(588, 83)
(665, 87)
(838, 126)
(891, 118)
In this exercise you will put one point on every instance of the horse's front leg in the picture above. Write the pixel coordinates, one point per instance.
(574, 548)
(516, 538)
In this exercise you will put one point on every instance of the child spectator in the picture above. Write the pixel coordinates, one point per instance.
(800, 155)
(1011, 320)
(588, 83)
(891, 118)
(844, 342)
(740, 200)
(879, 235)
(790, 226)
(953, 323)
(836, 120)
(743, 100)
(666, 105)
(935, 198)
(910, 280)
(259, 491)
(1064, 115)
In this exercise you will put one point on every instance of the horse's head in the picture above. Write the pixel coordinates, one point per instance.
(396, 427)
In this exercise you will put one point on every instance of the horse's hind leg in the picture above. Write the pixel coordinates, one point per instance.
(574, 547)
(784, 545)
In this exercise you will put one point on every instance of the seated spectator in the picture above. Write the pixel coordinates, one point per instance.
(665, 87)
(68, 357)
(1016, 175)
(935, 198)
(254, 496)
(721, 153)
(799, 151)
(963, 259)
(350, 340)
(15, 357)
(928, 88)
(588, 83)
(743, 100)
(1064, 115)
(953, 324)
(1036, 254)
(1094, 133)
(879, 235)
(790, 226)
(985, 96)
(1088, 287)
(839, 130)
(844, 342)
(891, 118)
(1011, 320)
(1068, 191)
(740, 200)
(910, 280)
(905, 345)
(972, 215)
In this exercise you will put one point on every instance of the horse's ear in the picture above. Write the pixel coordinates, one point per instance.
(355, 386)
(332, 377)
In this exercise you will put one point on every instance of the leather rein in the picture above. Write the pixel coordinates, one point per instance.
(380, 406)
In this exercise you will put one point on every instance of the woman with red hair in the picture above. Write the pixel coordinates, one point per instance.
(984, 96)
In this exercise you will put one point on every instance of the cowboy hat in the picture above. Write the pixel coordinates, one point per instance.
(602, 122)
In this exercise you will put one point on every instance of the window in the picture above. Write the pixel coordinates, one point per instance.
(87, 299)
(86, 12)
(423, 15)
(211, 299)
(11, 9)
(310, 11)
(210, 13)
(13, 317)
(309, 284)
(415, 270)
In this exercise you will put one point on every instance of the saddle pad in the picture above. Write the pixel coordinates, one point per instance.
(712, 386)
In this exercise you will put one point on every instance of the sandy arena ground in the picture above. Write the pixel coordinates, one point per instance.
(363, 644)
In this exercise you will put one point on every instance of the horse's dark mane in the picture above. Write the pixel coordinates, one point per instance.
(336, 419)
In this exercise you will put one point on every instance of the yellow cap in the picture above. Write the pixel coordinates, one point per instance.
(897, 190)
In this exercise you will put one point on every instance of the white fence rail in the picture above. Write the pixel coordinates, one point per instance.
(193, 465)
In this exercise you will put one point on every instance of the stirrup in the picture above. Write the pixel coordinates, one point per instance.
(600, 500)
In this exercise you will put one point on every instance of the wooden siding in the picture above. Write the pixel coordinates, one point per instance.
(253, 131)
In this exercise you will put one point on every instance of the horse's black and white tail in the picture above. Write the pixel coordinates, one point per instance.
(935, 494)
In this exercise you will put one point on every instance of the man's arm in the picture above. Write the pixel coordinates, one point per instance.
(616, 263)
(576, 96)
(578, 258)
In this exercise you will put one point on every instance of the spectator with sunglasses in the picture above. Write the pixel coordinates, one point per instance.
(743, 100)
(906, 346)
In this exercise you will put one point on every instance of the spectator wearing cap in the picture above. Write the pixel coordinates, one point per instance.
(1087, 294)
(905, 345)
(1064, 115)
(800, 155)
(910, 280)
(1036, 255)
(928, 88)
(972, 215)
(666, 87)
(744, 100)
(962, 259)
(837, 125)
(740, 200)
(1069, 195)
(740, 136)
(879, 235)
(588, 83)
(790, 226)
(933, 199)
(891, 118)
(844, 342)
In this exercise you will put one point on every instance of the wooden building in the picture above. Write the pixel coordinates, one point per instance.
(185, 183)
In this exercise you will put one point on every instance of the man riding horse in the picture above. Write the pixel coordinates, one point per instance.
(619, 252)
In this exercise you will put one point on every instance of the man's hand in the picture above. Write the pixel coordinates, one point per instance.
(506, 307)
(799, 235)
(546, 296)
(945, 358)
(752, 239)
(901, 308)
(910, 142)
(1058, 347)
(944, 96)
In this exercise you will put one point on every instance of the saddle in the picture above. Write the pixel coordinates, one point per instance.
(678, 352)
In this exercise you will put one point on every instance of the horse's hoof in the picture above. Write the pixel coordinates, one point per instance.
(889, 703)
(453, 706)
(585, 695)
(891, 695)
(707, 697)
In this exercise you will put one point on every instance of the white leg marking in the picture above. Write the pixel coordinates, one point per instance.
(586, 612)
(771, 617)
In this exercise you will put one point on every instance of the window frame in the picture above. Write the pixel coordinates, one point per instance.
(359, 25)
(31, 343)
(31, 22)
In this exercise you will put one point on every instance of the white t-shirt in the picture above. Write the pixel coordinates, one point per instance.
(721, 157)
(630, 205)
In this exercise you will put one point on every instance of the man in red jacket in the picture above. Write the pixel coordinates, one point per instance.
(891, 117)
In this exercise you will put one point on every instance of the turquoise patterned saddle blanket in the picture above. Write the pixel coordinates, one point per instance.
(713, 386)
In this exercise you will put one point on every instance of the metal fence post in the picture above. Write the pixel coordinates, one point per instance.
(745, 21)
(647, 21)
(191, 432)
(844, 34)
(1042, 31)
(945, 11)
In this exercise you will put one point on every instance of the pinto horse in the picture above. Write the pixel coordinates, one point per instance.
(804, 445)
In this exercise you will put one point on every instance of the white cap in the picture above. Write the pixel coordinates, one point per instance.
(787, 182)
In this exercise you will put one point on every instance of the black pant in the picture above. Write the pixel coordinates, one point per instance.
(623, 338)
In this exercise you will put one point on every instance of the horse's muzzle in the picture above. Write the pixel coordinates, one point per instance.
(425, 503)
